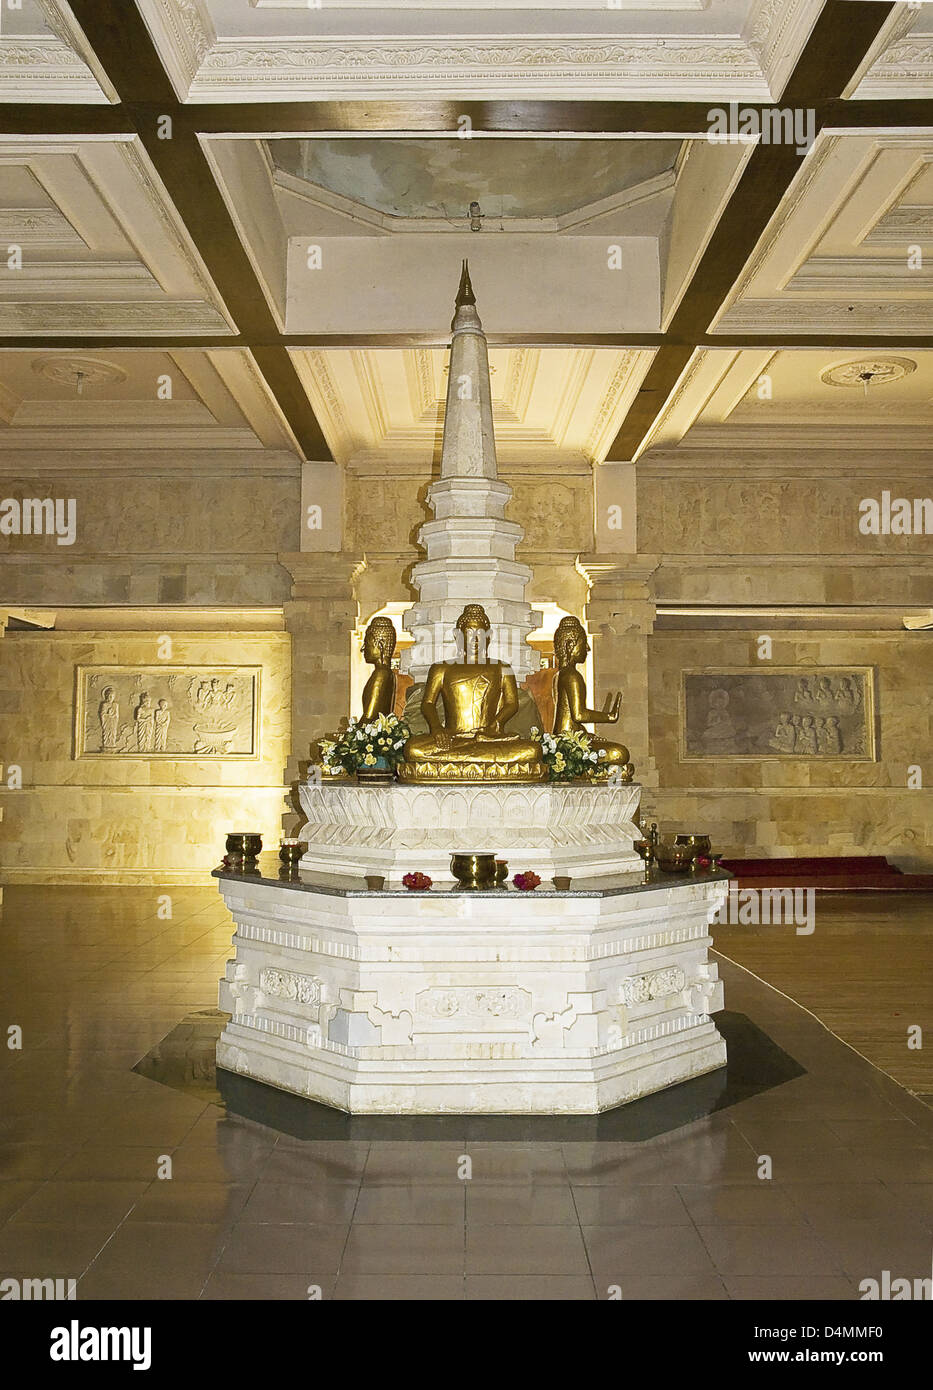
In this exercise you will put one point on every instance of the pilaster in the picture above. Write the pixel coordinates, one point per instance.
(320, 615)
(620, 614)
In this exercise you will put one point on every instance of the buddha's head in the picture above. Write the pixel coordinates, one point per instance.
(473, 625)
(570, 644)
(379, 641)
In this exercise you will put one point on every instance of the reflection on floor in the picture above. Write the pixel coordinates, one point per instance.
(96, 979)
(866, 971)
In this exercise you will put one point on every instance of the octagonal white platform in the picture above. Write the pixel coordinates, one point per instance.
(551, 828)
(486, 1003)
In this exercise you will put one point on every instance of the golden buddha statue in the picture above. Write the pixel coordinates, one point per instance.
(478, 697)
(571, 714)
(378, 650)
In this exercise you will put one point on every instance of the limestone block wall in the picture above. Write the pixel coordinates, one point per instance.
(385, 511)
(822, 806)
(131, 819)
(202, 530)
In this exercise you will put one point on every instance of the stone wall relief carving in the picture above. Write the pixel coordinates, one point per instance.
(811, 712)
(167, 711)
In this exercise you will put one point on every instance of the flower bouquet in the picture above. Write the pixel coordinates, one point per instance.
(568, 755)
(372, 750)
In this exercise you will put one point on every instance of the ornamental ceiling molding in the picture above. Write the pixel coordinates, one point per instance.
(777, 32)
(623, 385)
(321, 68)
(47, 297)
(46, 70)
(682, 388)
(879, 371)
(184, 35)
(813, 166)
(794, 315)
(898, 64)
(60, 19)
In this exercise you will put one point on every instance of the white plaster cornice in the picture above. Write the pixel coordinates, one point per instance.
(45, 70)
(184, 34)
(653, 67)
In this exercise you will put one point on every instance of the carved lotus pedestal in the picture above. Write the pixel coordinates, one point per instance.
(579, 832)
(489, 1002)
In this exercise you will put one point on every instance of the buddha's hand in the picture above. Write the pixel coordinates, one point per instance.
(443, 739)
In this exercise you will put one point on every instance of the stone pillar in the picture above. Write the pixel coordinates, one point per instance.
(320, 616)
(620, 613)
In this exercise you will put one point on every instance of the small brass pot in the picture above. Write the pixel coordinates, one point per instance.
(290, 851)
(699, 844)
(674, 859)
(502, 871)
(474, 870)
(243, 846)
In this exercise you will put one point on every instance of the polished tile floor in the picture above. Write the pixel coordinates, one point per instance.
(96, 978)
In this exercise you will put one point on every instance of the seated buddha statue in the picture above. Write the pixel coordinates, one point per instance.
(478, 697)
(378, 650)
(571, 714)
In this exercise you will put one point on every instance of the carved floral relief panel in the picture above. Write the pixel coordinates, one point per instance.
(799, 712)
(167, 712)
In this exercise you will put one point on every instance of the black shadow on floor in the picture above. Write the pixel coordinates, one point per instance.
(755, 1064)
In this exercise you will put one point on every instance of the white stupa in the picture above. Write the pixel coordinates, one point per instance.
(470, 546)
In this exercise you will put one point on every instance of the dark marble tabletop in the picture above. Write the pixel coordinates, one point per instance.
(270, 872)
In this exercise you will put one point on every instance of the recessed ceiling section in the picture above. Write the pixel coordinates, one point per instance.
(235, 50)
(414, 180)
(100, 248)
(563, 236)
(118, 401)
(899, 65)
(554, 407)
(847, 249)
(44, 56)
(797, 400)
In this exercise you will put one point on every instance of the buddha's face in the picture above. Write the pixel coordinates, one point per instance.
(370, 647)
(580, 645)
(475, 639)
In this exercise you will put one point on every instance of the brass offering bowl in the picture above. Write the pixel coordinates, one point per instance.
(699, 844)
(290, 851)
(674, 859)
(474, 870)
(243, 846)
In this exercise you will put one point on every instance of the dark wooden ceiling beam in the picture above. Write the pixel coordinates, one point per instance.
(533, 118)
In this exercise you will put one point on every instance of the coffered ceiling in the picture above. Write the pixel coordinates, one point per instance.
(270, 199)
(768, 401)
(552, 407)
(74, 408)
(235, 50)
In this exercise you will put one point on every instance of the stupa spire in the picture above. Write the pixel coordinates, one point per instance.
(469, 546)
(469, 447)
(465, 293)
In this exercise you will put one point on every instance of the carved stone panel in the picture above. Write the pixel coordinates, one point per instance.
(798, 712)
(167, 712)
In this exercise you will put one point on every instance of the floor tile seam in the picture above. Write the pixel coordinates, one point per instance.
(815, 1017)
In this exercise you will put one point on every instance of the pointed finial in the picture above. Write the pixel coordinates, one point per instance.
(465, 293)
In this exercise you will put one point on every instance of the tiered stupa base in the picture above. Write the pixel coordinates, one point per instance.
(578, 832)
(494, 1002)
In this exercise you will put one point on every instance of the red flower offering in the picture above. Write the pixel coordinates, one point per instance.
(417, 882)
(526, 882)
